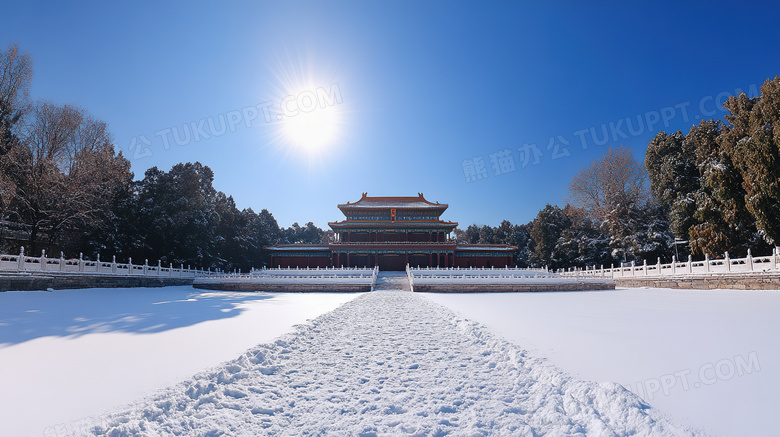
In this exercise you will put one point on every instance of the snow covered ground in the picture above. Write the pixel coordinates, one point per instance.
(74, 354)
(389, 363)
(708, 358)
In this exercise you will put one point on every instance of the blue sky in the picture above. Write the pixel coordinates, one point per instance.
(424, 89)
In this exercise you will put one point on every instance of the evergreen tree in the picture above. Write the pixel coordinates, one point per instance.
(486, 235)
(308, 234)
(753, 142)
(582, 244)
(546, 229)
(520, 237)
(674, 178)
(724, 223)
(178, 216)
(472, 234)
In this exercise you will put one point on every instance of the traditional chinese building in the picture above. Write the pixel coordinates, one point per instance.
(391, 232)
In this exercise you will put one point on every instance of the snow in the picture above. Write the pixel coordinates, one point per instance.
(73, 354)
(681, 350)
(389, 362)
(163, 361)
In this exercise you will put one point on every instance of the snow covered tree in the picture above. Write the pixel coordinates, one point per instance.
(546, 229)
(15, 78)
(472, 234)
(177, 215)
(720, 181)
(753, 142)
(459, 235)
(613, 191)
(487, 235)
(308, 234)
(674, 178)
(66, 174)
(582, 244)
(723, 221)
(520, 237)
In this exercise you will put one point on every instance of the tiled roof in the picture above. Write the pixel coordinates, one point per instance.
(394, 202)
(397, 224)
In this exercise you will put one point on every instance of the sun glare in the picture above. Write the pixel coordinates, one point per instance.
(310, 130)
(309, 112)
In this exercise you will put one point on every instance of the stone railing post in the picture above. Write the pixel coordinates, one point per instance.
(20, 261)
(633, 268)
(62, 262)
(113, 264)
(750, 260)
(674, 264)
(774, 258)
(727, 260)
(81, 262)
(707, 262)
(130, 266)
(42, 261)
(644, 265)
(658, 267)
(170, 269)
(146, 266)
(690, 264)
(159, 267)
(97, 264)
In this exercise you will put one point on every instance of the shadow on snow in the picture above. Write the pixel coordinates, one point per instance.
(29, 315)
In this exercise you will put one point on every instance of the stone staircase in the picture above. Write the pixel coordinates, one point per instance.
(392, 281)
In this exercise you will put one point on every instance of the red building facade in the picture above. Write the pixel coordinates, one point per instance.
(391, 232)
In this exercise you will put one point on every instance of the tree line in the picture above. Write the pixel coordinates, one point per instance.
(713, 190)
(721, 180)
(611, 218)
(64, 187)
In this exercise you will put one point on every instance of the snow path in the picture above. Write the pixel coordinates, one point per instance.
(390, 362)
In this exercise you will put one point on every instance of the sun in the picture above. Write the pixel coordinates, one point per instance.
(311, 131)
(308, 112)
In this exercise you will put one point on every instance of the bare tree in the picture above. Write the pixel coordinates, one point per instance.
(615, 179)
(15, 76)
(67, 171)
(614, 191)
